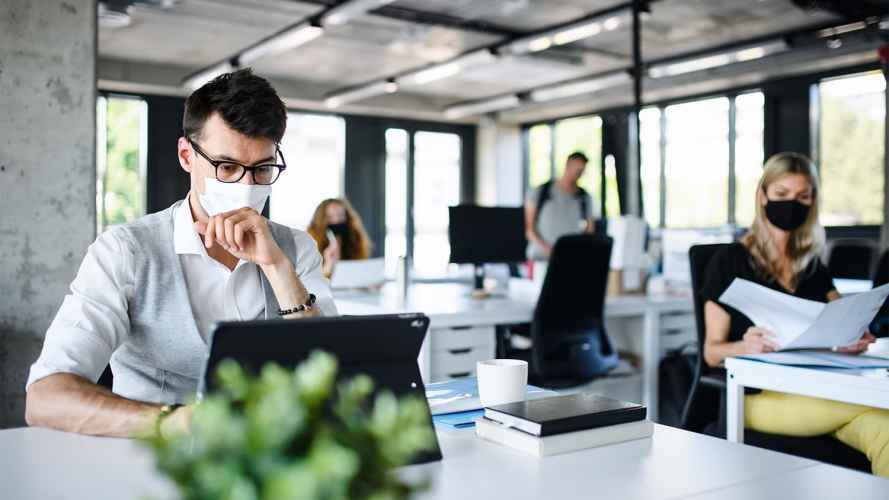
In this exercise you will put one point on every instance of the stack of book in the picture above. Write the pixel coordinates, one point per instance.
(561, 424)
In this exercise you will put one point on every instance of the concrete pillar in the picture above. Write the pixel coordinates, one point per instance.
(47, 174)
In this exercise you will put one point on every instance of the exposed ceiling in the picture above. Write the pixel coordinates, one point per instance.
(179, 37)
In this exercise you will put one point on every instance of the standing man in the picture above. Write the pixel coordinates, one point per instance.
(148, 292)
(557, 208)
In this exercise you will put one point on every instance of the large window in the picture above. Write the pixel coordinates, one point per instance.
(434, 165)
(685, 170)
(748, 154)
(436, 187)
(584, 135)
(697, 157)
(852, 117)
(396, 198)
(650, 138)
(314, 148)
(549, 145)
(540, 164)
(122, 132)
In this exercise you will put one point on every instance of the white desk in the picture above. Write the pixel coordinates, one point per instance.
(821, 482)
(850, 386)
(449, 306)
(674, 464)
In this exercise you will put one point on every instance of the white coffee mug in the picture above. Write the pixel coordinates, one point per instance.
(502, 381)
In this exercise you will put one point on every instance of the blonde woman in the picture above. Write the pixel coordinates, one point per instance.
(339, 233)
(781, 252)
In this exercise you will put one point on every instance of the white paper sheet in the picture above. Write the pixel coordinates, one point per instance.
(800, 323)
(825, 359)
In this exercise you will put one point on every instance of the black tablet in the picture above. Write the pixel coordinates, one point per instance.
(384, 347)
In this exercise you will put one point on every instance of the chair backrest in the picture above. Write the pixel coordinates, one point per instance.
(880, 325)
(702, 408)
(881, 273)
(572, 297)
(851, 258)
(699, 258)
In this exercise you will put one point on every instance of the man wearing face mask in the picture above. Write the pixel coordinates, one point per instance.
(148, 292)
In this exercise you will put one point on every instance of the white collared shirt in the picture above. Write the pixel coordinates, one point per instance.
(215, 292)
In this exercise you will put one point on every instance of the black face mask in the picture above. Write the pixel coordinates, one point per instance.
(341, 230)
(787, 214)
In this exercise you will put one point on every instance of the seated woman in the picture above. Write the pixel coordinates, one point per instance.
(339, 233)
(781, 251)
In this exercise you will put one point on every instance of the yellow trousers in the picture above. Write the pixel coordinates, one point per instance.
(864, 428)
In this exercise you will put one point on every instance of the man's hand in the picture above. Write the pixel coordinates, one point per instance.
(177, 422)
(243, 233)
(859, 346)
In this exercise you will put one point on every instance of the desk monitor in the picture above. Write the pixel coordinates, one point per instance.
(385, 347)
(480, 235)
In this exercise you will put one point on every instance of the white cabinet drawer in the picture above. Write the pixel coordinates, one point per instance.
(677, 338)
(677, 321)
(460, 338)
(458, 362)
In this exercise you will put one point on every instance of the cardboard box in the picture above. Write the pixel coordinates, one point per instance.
(626, 282)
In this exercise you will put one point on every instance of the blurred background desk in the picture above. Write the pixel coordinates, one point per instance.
(463, 330)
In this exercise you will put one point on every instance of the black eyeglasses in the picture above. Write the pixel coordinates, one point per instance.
(231, 171)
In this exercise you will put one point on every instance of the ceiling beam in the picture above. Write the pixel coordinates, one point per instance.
(431, 19)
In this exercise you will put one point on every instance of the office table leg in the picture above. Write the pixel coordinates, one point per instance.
(734, 409)
(650, 360)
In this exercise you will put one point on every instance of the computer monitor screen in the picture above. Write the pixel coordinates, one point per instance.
(480, 235)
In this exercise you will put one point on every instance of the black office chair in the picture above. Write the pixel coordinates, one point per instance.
(880, 325)
(708, 385)
(569, 345)
(705, 408)
(851, 258)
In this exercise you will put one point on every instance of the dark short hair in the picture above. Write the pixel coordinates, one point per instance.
(246, 102)
(577, 155)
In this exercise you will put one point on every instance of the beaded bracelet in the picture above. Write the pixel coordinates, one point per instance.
(300, 308)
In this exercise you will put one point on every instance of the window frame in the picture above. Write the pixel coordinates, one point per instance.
(467, 136)
(661, 107)
(341, 185)
(551, 127)
(763, 86)
(144, 132)
(815, 118)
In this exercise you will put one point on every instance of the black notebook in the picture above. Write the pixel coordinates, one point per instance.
(558, 414)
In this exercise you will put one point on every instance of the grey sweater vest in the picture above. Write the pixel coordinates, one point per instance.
(163, 357)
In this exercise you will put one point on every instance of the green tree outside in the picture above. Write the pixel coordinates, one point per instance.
(121, 185)
(851, 150)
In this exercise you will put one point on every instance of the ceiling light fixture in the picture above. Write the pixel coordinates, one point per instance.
(346, 11)
(198, 79)
(337, 99)
(282, 41)
(570, 33)
(741, 54)
(842, 30)
(480, 107)
(580, 87)
(448, 68)
(578, 33)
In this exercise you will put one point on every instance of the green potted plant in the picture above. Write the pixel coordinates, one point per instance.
(294, 435)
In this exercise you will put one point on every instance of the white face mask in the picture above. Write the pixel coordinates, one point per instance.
(222, 197)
